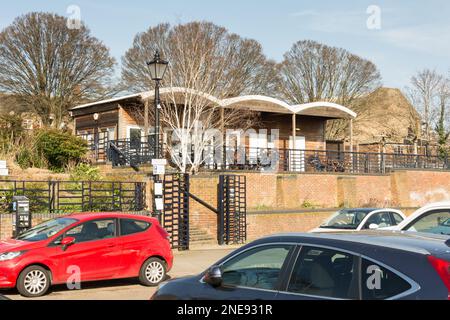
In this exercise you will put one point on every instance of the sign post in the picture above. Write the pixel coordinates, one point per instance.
(159, 169)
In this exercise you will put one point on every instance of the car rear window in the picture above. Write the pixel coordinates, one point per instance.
(131, 226)
(397, 218)
(379, 283)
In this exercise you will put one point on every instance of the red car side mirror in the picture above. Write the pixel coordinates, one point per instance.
(67, 241)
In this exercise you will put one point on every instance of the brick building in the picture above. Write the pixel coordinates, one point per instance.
(301, 127)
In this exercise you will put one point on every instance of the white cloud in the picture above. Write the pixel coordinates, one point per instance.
(333, 21)
(305, 13)
(432, 39)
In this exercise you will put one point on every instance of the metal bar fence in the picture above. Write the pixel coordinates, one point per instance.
(75, 196)
(131, 151)
(134, 153)
(297, 160)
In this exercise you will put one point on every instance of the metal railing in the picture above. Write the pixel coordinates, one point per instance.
(75, 196)
(131, 152)
(97, 145)
(126, 152)
(298, 160)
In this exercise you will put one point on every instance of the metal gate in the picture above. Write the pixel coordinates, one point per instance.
(175, 217)
(232, 205)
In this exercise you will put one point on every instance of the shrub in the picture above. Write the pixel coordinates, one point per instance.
(59, 148)
(11, 132)
(85, 172)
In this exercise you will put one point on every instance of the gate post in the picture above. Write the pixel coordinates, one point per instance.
(220, 207)
(175, 216)
(232, 209)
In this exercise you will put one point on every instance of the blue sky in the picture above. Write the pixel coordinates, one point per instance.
(413, 34)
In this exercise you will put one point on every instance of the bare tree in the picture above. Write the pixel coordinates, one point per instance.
(442, 126)
(312, 71)
(423, 94)
(49, 67)
(209, 64)
(235, 65)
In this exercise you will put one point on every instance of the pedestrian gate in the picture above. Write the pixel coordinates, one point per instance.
(175, 217)
(232, 208)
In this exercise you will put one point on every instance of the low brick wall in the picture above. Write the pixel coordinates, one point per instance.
(266, 223)
(291, 193)
(276, 202)
(6, 228)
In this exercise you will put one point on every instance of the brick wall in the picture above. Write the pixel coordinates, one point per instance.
(6, 229)
(268, 193)
(262, 224)
(292, 193)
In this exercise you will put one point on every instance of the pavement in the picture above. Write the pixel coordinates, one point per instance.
(185, 263)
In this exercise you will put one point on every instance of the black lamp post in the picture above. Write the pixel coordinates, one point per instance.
(157, 68)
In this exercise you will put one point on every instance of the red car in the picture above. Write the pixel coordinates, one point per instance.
(85, 247)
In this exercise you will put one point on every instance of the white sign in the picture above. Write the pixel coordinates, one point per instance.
(158, 189)
(161, 162)
(159, 169)
(159, 205)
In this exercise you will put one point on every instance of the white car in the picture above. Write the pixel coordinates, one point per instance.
(361, 218)
(432, 218)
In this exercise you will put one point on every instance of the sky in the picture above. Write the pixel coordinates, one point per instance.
(401, 37)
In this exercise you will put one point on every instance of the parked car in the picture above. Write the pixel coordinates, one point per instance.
(360, 219)
(432, 218)
(359, 265)
(97, 246)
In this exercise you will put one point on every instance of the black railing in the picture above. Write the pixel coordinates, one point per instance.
(131, 152)
(291, 160)
(75, 196)
(127, 152)
(97, 145)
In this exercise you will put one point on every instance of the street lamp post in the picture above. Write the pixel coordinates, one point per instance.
(157, 68)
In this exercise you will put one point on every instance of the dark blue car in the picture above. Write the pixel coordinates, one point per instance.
(368, 265)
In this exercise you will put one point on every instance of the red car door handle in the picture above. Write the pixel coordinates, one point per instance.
(110, 245)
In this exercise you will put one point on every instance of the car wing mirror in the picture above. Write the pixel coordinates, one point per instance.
(213, 276)
(66, 242)
(373, 226)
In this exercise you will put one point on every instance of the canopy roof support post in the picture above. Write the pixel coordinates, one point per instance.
(294, 129)
(146, 133)
(222, 132)
(351, 135)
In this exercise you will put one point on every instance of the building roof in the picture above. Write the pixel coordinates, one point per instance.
(387, 113)
(258, 103)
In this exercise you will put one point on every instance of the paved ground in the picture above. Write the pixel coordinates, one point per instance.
(185, 263)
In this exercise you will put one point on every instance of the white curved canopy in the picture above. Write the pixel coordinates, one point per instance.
(324, 109)
(249, 102)
(179, 94)
(258, 103)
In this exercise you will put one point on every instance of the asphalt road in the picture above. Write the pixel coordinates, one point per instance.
(185, 263)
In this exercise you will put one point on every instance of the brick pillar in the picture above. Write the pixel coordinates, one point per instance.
(346, 192)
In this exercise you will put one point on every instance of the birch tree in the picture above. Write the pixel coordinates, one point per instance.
(210, 64)
(442, 126)
(423, 94)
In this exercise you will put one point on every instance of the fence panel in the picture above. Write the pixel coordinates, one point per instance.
(75, 196)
